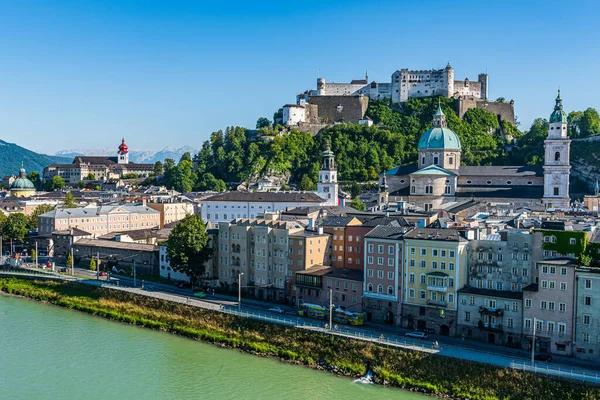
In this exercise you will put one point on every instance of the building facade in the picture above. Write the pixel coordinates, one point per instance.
(319, 283)
(172, 212)
(587, 319)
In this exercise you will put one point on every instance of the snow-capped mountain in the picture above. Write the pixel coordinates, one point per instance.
(141, 156)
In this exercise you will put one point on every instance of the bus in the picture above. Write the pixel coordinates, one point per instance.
(312, 310)
(347, 317)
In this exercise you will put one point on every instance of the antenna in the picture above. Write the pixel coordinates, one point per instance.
(318, 72)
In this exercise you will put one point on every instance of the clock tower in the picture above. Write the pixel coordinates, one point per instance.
(557, 167)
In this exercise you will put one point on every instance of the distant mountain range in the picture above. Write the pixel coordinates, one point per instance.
(12, 155)
(141, 156)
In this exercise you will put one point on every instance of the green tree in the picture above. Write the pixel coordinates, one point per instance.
(262, 122)
(500, 100)
(69, 260)
(15, 227)
(93, 265)
(158, 168)
(69, 201)
(34, 177)
(56, 183)
(590, 123)
(39, 210)
(186, 157)
(357, 204)
(33, 254)
(90, 177)
(184, 177)
(97, 187)
(169, 171)
(207, 181)
(188, 248)
(81, 184)
(306, 183)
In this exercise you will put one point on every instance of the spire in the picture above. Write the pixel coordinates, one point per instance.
(558, 115)
(439, 118)
(384, 186)
(367, 75)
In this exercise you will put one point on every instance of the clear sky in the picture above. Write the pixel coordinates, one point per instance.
(81, 74)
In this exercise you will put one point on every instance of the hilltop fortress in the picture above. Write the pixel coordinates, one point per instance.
(347, 102)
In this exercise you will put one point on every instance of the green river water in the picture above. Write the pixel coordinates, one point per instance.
(51, 353)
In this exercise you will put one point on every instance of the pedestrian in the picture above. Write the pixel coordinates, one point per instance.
(326, 326)
(382, 338)
(462, 337)
(336, 327)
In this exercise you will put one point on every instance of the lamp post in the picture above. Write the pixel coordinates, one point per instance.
(240, 274)
(330, 308)
(533, 343)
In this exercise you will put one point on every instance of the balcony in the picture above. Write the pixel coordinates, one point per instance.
(486, 326)
(436, 303)
(491, 311)
(437, 288)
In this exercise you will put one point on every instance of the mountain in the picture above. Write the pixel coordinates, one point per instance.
(141, 156)
(12, 155)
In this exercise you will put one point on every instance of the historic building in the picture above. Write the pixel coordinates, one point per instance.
(102, 168)
(22, 187)
(438, 177)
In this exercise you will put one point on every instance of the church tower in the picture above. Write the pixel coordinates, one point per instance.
(327, 187)
(556, 159)
(123, 153)
(383, 192)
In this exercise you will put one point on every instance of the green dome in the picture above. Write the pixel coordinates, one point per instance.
(22, 183)
(558, 115)
(439, 138)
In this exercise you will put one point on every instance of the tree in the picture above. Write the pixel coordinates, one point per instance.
(15, 227)
(207, 181)
(169, 169)
(188, 248)
(56, 183)
(184, 177)
(158, 168)
(186, 157)
(357, 204)
(500, 100)
(90, 177)
(97, 187)
(34, 177)
(262, 122)
(306, 183)
(33, 254)
(69, 260)
(93, 265)
(69, 201)
(39, 210)
(81, 184)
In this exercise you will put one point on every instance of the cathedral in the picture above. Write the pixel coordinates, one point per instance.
(438, 177)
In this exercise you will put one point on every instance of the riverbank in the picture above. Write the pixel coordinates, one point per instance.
(410, 370)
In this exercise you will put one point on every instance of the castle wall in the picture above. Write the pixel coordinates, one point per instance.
(467, 88)
(340, 108)
(407, 84)
(506, 111)
(380, 91)
(293, 115)
(344, 89)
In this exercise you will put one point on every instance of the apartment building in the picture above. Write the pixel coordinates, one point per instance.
(550, 305)
(316, 284)
(306, 249)
(490, 307)
(435, 268)
(99, 220)
(383, 274)
(336, 227)
(256, 251)
(587, 320)
(172, 212)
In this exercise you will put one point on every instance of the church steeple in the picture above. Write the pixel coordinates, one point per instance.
(439, 118)
(557, 166)
(327, 186)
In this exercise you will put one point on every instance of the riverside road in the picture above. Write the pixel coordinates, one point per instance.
(392, 336)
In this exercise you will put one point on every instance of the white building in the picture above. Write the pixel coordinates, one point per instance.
(165, 267)
(327, 188)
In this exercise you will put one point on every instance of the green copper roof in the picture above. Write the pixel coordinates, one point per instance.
(439, 111)
(439, 138)
(22, 183)
(433, 170)
(558, 115)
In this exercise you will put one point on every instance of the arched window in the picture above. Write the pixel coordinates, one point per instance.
(413, 189)
(390, 290)
(370, 287)
(447, 189)
(557, 156)
(379, 288)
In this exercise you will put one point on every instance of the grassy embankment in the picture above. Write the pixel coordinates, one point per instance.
(412, 370)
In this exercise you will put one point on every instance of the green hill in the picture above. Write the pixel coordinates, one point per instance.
(12, 155)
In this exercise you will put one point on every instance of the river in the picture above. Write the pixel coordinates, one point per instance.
(47, 352)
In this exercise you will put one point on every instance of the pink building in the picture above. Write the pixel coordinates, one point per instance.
(383, 274)
(315, 284)
(550, 305)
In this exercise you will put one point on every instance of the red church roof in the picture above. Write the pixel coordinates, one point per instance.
(123, 147)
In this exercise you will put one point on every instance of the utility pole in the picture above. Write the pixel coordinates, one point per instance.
(533, 343)
(330, 308)
(134, 283)
(98, 266)
(240, 291)
(36, 256)
(72, 263)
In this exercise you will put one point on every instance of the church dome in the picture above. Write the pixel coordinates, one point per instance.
(439, 138)
(123, 147)
(22, 183)
(558, 115)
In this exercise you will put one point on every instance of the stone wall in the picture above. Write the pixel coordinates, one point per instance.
(505, 111)
(340, 108)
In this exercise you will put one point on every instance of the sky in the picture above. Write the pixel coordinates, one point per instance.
(83, 74)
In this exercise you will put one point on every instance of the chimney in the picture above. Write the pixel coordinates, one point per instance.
(311, 224)
(320, 230)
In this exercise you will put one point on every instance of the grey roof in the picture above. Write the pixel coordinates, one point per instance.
(72, 231)
(449, 235)
(115, 245)
(83, 212)
(275, 197)
(330, 210)
(138, 234)
(501, 192)
(500, 170)
(387, 221)
(275, 224)
(336, 221)
(505, 294)
(403, 170)
(331, 272)
(387, 232)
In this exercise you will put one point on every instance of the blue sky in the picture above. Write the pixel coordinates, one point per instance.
(81, 74)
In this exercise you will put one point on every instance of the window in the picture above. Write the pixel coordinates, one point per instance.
(370, 260)
(370, 287)
(370, 273)
(390, 250)
(451, 253)
(450, 297)
(412, 263)
(550, 326)
(443, 253)
(563, 271)
(545, 284)
(510, 322)
(586, 337)
(527, 323)
(390, 290)
(515, 306)
(380, 274)
(411, 278)
(562, 328)
(434, 264)
(451, 266)
(551, 306)
(572, 241)
(539, 325)
(543, 304)
(588, 283)
(586, 319)
(390, 275)
(411, 293)
(379, 260)
(562, 307)
(553, 270)
(552, 285)
(390, 262)
(380, 289)
(528, 303)
(587, 300)
(434, 252)
(442, 265)
(563, 286)
(423, 279)
(467, 316)
(423, 252)
(556, 191)
(412, 250)
(471, 300)
(423, 264)
(380, 249)
(370, 247)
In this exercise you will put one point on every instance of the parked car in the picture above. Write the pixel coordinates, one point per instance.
(200, 294)
(64, 269)
(543, 357)
(277, 310)
(102, 273)
(417, 335)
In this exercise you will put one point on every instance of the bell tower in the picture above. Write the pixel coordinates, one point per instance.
(557, 167)
(327, 187)
(123, 153)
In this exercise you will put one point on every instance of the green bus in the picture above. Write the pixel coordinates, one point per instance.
(312, 311)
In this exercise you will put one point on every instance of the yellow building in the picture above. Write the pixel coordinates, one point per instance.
(172, 212)
(435, 267)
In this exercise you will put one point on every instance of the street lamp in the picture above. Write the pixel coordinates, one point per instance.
(240, 290)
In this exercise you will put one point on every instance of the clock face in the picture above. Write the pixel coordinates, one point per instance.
(556, 178)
